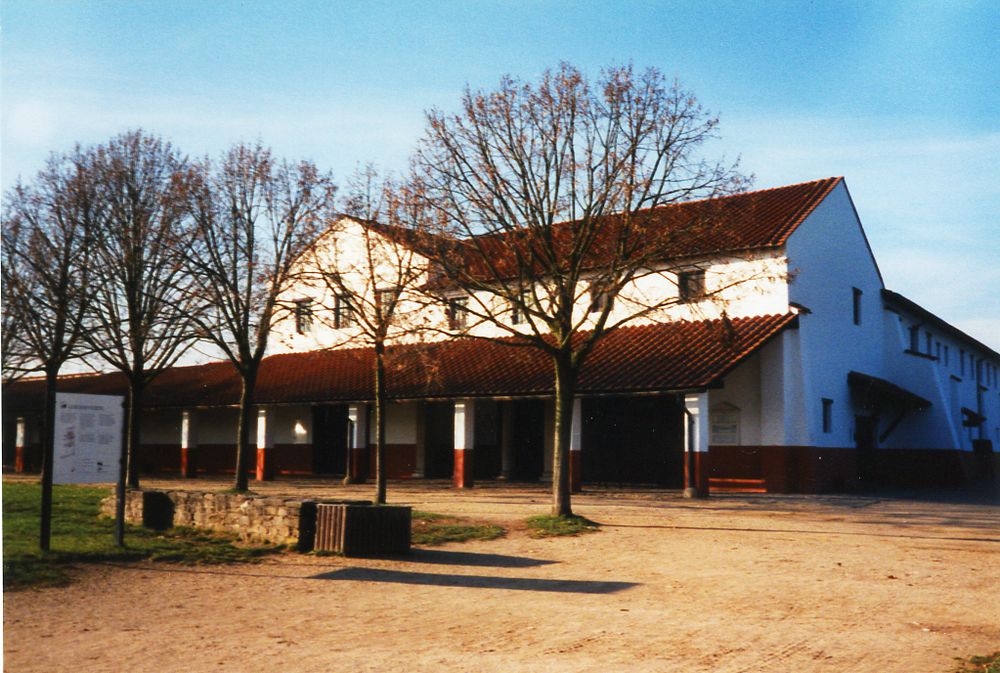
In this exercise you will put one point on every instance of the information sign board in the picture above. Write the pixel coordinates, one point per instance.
(88, 438)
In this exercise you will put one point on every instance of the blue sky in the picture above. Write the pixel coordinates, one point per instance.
(902, 98)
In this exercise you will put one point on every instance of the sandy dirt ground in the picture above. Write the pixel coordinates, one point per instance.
(731, 583)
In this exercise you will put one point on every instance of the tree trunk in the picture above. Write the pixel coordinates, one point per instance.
(380, 476)
(133, 424)
(249, 381)
(566, 376)
(48, 449)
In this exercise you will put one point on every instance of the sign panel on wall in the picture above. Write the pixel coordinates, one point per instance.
(88, 438)
(725, 425)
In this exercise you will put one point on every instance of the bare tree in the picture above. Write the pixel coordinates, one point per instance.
(254, 216)
(143, 307)
(47, 230)
(366, 275)
(545, 197)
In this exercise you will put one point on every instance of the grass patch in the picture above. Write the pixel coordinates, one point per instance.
(430, 528)
(80, 535)
(985, 664)
(548, 525)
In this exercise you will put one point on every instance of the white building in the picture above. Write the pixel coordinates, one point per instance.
(799, 372)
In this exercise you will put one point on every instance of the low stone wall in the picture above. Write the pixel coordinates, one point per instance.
(253, 518)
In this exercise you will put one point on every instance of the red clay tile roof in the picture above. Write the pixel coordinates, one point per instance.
(646, 358)
(742, 222)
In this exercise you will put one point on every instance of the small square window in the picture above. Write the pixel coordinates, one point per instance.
(691, 285)
(458, 313)
(827, 415)
(303, 316)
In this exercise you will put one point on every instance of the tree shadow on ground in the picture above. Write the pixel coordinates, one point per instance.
(475, 581)
(466, 558)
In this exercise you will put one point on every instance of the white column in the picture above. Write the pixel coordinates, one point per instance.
(574, 439)
(20, 446)
(575, 457)
(506, 439)
(189, 430)
(465, 424)
(265, 428)
(357, 417)
(357, 414)
(189, 441)
(549, 439)
(265, 444)
(695, 442)
(420, 457)
(465, 443)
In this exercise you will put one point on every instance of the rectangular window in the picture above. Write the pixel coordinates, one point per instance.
(857, 305)
(599, 299)
(937, 346)
(303, 316)
(343, 314)
(961, 361)
(386, 299)
(930, 342)
(516, 316)
(946, 355)
(827, 415)
(915, 338)
(458, 313)
(690, 285)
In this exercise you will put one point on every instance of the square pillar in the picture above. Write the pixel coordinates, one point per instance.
(465, 425)
(575, 446)
(548, 439)
(20, 446)
(357, 424)
(189, 444)
(506, 439)
(265, 444)
(696, 445)
(420, 451)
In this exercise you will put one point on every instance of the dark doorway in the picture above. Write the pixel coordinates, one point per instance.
(865, 435)
(487, 463)
(439, 439)
(330, 439)
(528, 441)
(633, 440)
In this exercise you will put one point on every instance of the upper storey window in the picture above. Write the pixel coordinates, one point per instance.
(856, 306)
(600, 298)
(691, 285)
(343, 314)
(386, 298)
(303, 316)
(458, 313)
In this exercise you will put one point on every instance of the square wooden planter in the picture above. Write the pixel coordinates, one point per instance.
(355, 529)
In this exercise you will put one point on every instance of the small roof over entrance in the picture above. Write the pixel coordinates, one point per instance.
(875, 393)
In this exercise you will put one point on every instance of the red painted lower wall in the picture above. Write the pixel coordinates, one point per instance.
(400, 460)
(811, 469)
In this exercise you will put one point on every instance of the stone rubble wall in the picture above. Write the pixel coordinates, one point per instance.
(253, 518)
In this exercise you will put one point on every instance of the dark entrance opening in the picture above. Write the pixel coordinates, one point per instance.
(528, 438)
(330, 439)
(487, 457)
(633, 440)
(439, 439)
(865, 436)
